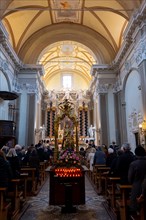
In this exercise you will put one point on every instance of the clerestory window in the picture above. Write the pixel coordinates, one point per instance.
(67, 81)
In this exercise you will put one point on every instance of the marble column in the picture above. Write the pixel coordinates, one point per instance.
(111, 115)
(103, 118)
(120, 118)
(23, 121)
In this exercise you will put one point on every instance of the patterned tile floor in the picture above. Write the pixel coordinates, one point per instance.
(38, 206)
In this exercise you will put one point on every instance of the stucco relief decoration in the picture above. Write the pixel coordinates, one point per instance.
(134, 121)
(3, 65)
(140, 118)
(17, 87)
(128, 65)
(117, 86)
(31, 88)
(95, 94)
(140, 53)
(66, 10)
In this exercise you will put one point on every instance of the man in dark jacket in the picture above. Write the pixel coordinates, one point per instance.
(136, 175)
(99, 157)
(123, 163)
(5, 171)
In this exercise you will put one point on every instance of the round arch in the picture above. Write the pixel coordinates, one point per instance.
(32, 48)
(125, 80)
(133, 98)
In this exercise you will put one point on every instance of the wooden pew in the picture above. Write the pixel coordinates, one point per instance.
(47, 164)
(95, 173)
(112, 191)
(31, 179)
(123, 202)
(15, 195)
(101, 177)
(42, 172)
(24, 178)
(4, 206)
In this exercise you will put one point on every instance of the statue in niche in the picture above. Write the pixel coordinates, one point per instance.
(91, 131)
(43, 131)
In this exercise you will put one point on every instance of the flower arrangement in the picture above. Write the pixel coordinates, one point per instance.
(68, 158)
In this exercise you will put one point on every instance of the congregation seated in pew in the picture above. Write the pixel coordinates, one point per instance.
(15, 179)
(117, 182)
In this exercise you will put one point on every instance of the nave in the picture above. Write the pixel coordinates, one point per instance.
(39, 209)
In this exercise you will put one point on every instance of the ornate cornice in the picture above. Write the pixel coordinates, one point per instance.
(32, 68)
(8, 48)
(135, 24)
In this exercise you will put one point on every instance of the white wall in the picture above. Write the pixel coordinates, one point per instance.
(133, 101)
(78, 82)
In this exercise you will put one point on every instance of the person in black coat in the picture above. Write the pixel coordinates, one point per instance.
(5, 170)
(110, 157)
(136, 175)
(113, 168)
(34, 162)
(123, 163)
(14, 162)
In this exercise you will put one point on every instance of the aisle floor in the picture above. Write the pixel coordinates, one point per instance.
(39, 206)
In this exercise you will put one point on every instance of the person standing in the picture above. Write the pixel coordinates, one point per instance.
(99, 157)
(5, 170)
(91, 157)
(124, 162)
(13, 159)
(136, 175)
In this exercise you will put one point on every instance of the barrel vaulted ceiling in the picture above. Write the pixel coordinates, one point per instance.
(79, 31)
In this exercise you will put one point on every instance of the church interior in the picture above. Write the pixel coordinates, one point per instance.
(88, 55)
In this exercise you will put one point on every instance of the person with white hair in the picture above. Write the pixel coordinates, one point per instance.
(90, 157)
(14, 162)
(110, 157)
(19, 153)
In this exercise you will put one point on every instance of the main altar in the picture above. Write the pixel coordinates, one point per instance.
(67, 175)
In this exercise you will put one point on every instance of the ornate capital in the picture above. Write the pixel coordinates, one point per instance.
(20, 86)
(102, 88)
